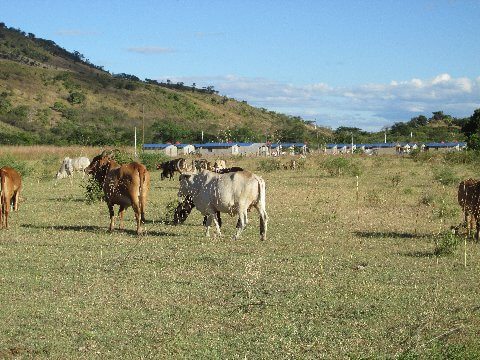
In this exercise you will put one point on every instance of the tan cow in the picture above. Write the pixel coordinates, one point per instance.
(11, 183)
(231, 193)
(469, 199)
(124, 185)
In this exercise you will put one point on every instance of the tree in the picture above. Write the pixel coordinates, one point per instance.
(471, 129)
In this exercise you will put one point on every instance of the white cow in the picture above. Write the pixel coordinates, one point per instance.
(232, 193)
(70, 166)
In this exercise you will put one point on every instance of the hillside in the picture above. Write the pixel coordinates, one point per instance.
(50, 95)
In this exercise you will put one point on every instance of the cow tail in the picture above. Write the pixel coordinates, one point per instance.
(262, 208)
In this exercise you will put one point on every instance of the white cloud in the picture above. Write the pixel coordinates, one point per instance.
(150, 50)
(369, 106)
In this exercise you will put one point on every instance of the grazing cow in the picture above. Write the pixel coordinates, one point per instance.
(11, 184)
(70, 166)
(232, 193)
(125, 185)
(185, 208)
(169, 167)
(469, 199)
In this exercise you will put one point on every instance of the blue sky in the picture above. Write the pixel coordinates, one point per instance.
(342, 63)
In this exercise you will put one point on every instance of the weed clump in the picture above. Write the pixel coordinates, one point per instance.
(93, 190)
(338, 166)
(445, 244)
(445, 176)
(21, 166)
(269, 165)
(152, 160)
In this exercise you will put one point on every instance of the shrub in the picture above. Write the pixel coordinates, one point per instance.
(152, 160)
(445, 176)
(337, 166)
(169, 214)
(76, 97)
(269, 165)
(93, 190)
(462, 157)
(122, 157)
(445, 243)
(21, 166)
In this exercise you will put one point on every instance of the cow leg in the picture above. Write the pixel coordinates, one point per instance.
(112, 215)
(138, 217)
(241, 223)
(208, 222)
(478, 228)
(6, 210)
(121, 213)
(263, 222)
(16, 197)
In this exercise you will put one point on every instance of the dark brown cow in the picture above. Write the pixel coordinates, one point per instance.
(169, 167)
(124, 185)
(11, 183)
(469, 200)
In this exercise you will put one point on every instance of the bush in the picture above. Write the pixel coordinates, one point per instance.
(21, 166)
(445, 243)
(269, 165)
(462, 157)
(152, 160)
(122, 157)
(93, 190)
(169, 214)
(337, 166)
(445, 176)
(76, 97)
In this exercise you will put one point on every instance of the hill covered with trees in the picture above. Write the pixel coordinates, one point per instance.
(50, 95)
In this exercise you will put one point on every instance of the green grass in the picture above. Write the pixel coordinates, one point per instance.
(330, 282)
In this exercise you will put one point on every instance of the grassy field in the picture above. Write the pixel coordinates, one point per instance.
(341, 275)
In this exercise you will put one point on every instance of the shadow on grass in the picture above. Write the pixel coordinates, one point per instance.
(418, 254)
(388, 234)
(63, 199)
(94, 228)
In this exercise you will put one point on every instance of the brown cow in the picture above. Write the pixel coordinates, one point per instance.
(125, 185)
(469, 200)
(11, 183)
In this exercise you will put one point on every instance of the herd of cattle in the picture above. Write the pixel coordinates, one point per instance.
(210, 187)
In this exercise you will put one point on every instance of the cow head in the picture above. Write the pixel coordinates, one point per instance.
(186, 185)
(99, 166)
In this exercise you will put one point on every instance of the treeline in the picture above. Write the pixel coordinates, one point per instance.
(439, 127)
(48, 45)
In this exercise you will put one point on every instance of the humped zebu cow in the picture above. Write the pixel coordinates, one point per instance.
(231, 193)
(170, 167)
(469, 199)
(125, 185)
(69, 166)
(11, 184)
(186, 206)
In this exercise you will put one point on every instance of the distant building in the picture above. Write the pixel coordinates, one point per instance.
(185, 149)
(217, 149)
(167, 149)
(450, 146)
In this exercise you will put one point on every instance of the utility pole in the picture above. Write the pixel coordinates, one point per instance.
(135, 141)
(143, 125)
